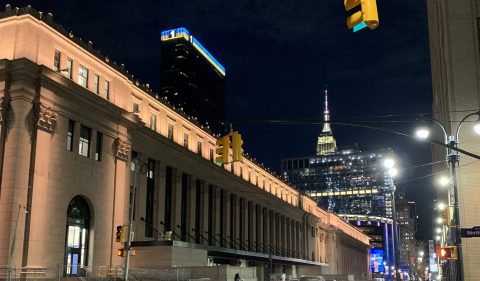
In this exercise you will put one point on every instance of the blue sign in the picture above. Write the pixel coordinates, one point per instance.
(376, 260)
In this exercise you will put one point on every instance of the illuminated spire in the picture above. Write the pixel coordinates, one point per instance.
(326, 143)
(326, 115)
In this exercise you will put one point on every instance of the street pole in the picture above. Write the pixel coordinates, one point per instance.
(453, 160)
(130, 222)
(395, 236)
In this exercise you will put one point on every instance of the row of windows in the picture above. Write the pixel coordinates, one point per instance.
(83, 75)
(85, 141)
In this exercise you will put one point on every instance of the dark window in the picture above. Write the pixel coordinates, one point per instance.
(69, 68)
(106, 89)
(184, 207)
(241, 223)
(211, 222)
(233, 221)
(98, 147)
(96, 84)
(199, 147)
(222, 217)
(71, 128)
(170, 131)
(150, 197)
(168, 198)
(56, 61)
(198, 210)
(211, 154)
(84, 144)
(185, 140)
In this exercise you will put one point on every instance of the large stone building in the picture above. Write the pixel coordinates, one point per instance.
(454, 51)
(73, 125)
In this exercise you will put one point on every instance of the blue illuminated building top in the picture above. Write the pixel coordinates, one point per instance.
(183, 33)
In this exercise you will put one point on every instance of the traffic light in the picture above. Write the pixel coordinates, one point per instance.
(364, 14)
(223, 145)
(237, 147)
(120, 235)
(447, 253)
(121, 252)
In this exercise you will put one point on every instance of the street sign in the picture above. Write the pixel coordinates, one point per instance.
(471, 232)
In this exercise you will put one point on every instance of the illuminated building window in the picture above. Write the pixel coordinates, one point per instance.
(106, 90)
(56, 61)
(83, 76)
(84, 144)
(170, 132)
(153, 121)
(96, 84)
(185, 140)
(69, 68)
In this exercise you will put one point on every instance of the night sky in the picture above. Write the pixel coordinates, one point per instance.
(279, 55)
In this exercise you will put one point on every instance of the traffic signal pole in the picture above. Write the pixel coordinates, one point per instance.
(130, 223)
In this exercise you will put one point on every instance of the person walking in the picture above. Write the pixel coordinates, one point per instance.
(237, 277)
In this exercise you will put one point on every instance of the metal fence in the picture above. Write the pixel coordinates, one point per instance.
(92, 273)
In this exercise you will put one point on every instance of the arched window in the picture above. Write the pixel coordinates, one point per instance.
(78, 226)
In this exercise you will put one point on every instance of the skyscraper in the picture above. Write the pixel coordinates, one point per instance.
(326, 142)
(352, 183)
(192, 79)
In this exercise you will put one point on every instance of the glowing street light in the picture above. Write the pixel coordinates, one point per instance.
(439, 220)
(422, 132)
(437, 237)
(444, 181)
(441, 206)
(438, 230)
(389, 163)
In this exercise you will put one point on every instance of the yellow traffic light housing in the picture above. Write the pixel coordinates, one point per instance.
(365, 14)
(223, 145)
(237, 143)
(448, 253)
(118, 235)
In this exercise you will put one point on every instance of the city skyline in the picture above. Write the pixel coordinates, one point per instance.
(310, 49)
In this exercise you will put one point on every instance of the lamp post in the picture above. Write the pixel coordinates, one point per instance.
(452, 157)
(130, 221)
(392, 172)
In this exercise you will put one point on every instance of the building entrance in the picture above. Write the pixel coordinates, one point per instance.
(78, 226)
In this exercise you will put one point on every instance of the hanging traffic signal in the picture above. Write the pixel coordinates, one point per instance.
(447, 253)
(237, 143)
(121, 252)
(118, 235)
(364, 13)
(223, 145)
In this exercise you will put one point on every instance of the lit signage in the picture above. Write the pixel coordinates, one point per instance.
(376, 260)
(183, 33)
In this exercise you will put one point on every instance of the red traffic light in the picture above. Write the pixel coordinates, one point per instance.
(448, 252)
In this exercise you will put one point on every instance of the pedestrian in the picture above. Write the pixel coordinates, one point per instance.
(237, 277)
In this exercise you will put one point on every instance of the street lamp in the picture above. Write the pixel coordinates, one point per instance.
(389, 164)
(452, 157)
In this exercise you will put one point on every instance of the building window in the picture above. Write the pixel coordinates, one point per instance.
(56, 61)
(136, 107)
(211, 154)
(153, 121)
(170, 132)
(168, 199)
(185, 140)
(96, 84)
(84, 145)
(106, 90)
(199, 147)
(83, 76)
(71, 128)
(98, 147)
(69, 68)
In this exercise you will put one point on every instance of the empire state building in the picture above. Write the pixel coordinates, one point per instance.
(326, 143)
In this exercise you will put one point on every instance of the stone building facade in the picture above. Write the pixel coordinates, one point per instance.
(454, 52)
(72, 121)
